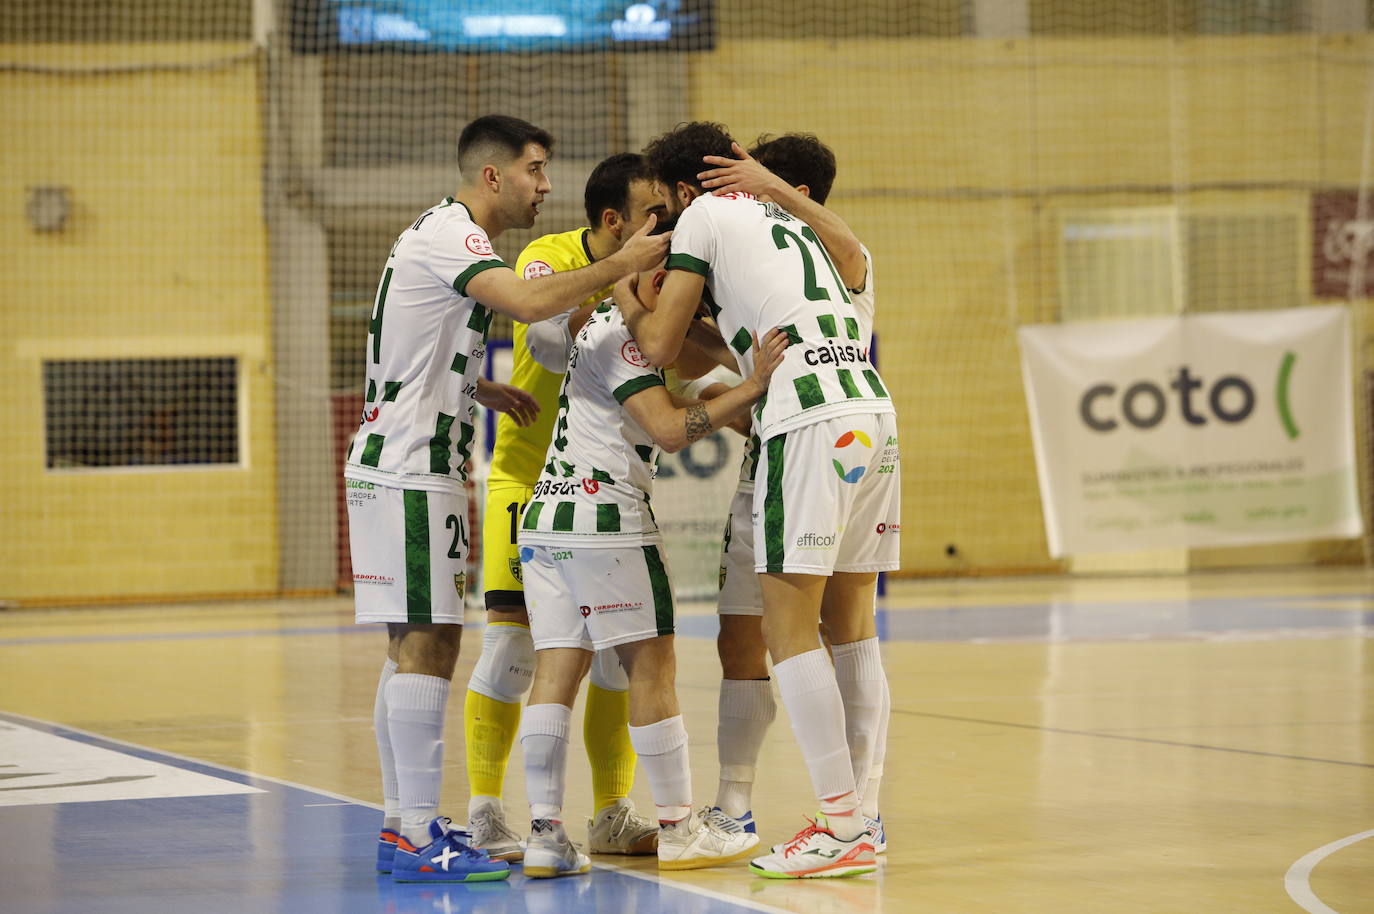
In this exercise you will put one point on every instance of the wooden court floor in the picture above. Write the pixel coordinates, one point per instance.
(1172, 744)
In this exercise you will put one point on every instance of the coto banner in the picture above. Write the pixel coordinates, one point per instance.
(1196, 430)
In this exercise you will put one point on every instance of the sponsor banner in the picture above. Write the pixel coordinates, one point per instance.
(1198, 430)
(1342, 246)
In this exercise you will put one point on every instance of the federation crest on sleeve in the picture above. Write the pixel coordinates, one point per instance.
(630, 353)
(537, 268)
(479, 244)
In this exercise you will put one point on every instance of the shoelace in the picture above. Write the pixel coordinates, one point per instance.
(802, 836)
(488, 822)
(726, 823)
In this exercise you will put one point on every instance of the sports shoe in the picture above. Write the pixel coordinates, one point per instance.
(619, 829)
(706, 838)
(386, 849)
(446, 858)
(490, 833)
(746, 821)
(815, 852)
(876, 835)
(549, 853)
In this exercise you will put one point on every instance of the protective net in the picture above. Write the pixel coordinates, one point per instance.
(201, 197)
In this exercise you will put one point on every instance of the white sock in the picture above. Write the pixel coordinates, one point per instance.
(875, 768)
(859, 673)
(746, 710)
(415, 719)
(391, 798)
(662, 751)
(812, 697)
(544, 731)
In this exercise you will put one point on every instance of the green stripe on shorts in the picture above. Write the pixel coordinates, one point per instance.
(662, 588)
(418, 611)
(773, 527)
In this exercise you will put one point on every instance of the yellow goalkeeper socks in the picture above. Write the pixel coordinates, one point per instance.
(490, 727)
(605, 731)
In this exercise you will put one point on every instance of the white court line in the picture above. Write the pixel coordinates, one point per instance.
(1296, 879)
(609, 867)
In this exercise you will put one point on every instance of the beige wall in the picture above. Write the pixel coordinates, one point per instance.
(955, 157)
(165, 255)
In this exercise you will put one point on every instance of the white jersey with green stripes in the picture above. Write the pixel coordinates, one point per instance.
(766, 268)
(864, 304)
(425, 344)
(595, 486)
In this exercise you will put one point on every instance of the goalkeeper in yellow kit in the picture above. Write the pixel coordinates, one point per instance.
(619, 198)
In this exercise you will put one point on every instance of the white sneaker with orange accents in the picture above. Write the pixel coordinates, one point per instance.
(815, 853)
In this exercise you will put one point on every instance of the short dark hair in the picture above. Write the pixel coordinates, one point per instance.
(608, 186)
(677, 155)
(491, 134)
(798, 158)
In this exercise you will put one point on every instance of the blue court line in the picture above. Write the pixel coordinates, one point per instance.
(280, 850)
(192, 636)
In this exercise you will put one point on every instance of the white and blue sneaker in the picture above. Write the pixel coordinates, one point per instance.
(446, 858)
(876, 835)
(549, 852)
(746, 821)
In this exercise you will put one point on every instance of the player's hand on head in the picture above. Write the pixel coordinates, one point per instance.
(742, 174)
(768, 355)
(644, 251)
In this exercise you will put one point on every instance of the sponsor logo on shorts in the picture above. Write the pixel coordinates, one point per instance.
(721, 586)
(479, 244)
(585, 610)
(562, 555)
(515, 571)
(591, 486)
(609, 608)
(851, 457)
(889, 528)
(460, 583)
(816, 541)
(537, 268)
(630, 353)
(384, 580)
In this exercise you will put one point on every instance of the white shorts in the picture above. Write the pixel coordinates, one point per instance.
(595, 598)
(739, 583)
(828, 497)
(409, 552)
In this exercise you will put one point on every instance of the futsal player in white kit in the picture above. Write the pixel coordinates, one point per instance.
(404, 471)
(826, 513)
(595, 578)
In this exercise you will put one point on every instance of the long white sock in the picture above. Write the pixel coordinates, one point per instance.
(391, 798)
(747, 709)
(544, 731)
(662, 751)
(875, 768)
(812, 697)
(415, 719)
(859, 673)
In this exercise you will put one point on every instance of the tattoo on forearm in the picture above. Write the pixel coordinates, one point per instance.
(698, 423)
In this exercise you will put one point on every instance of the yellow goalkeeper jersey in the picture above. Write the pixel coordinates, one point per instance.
(519, 453)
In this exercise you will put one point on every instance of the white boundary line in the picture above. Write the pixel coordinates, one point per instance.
(1296, 879)
(609, 867)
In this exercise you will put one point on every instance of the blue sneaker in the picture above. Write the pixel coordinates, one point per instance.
(745, 822)
(386, 849)
(446, 858)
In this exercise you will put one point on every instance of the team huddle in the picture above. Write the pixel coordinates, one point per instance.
(711, 289)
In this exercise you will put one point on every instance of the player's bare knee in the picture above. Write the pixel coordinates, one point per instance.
(429, 650)
(558, 673)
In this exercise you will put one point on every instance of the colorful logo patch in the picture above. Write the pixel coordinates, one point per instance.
(479, 244)
(585, 611)
(850, 459)
(460, 583)
(630, 353)
(515, 570)
(536, 268)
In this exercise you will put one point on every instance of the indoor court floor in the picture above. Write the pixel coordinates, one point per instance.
(1165, 744)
